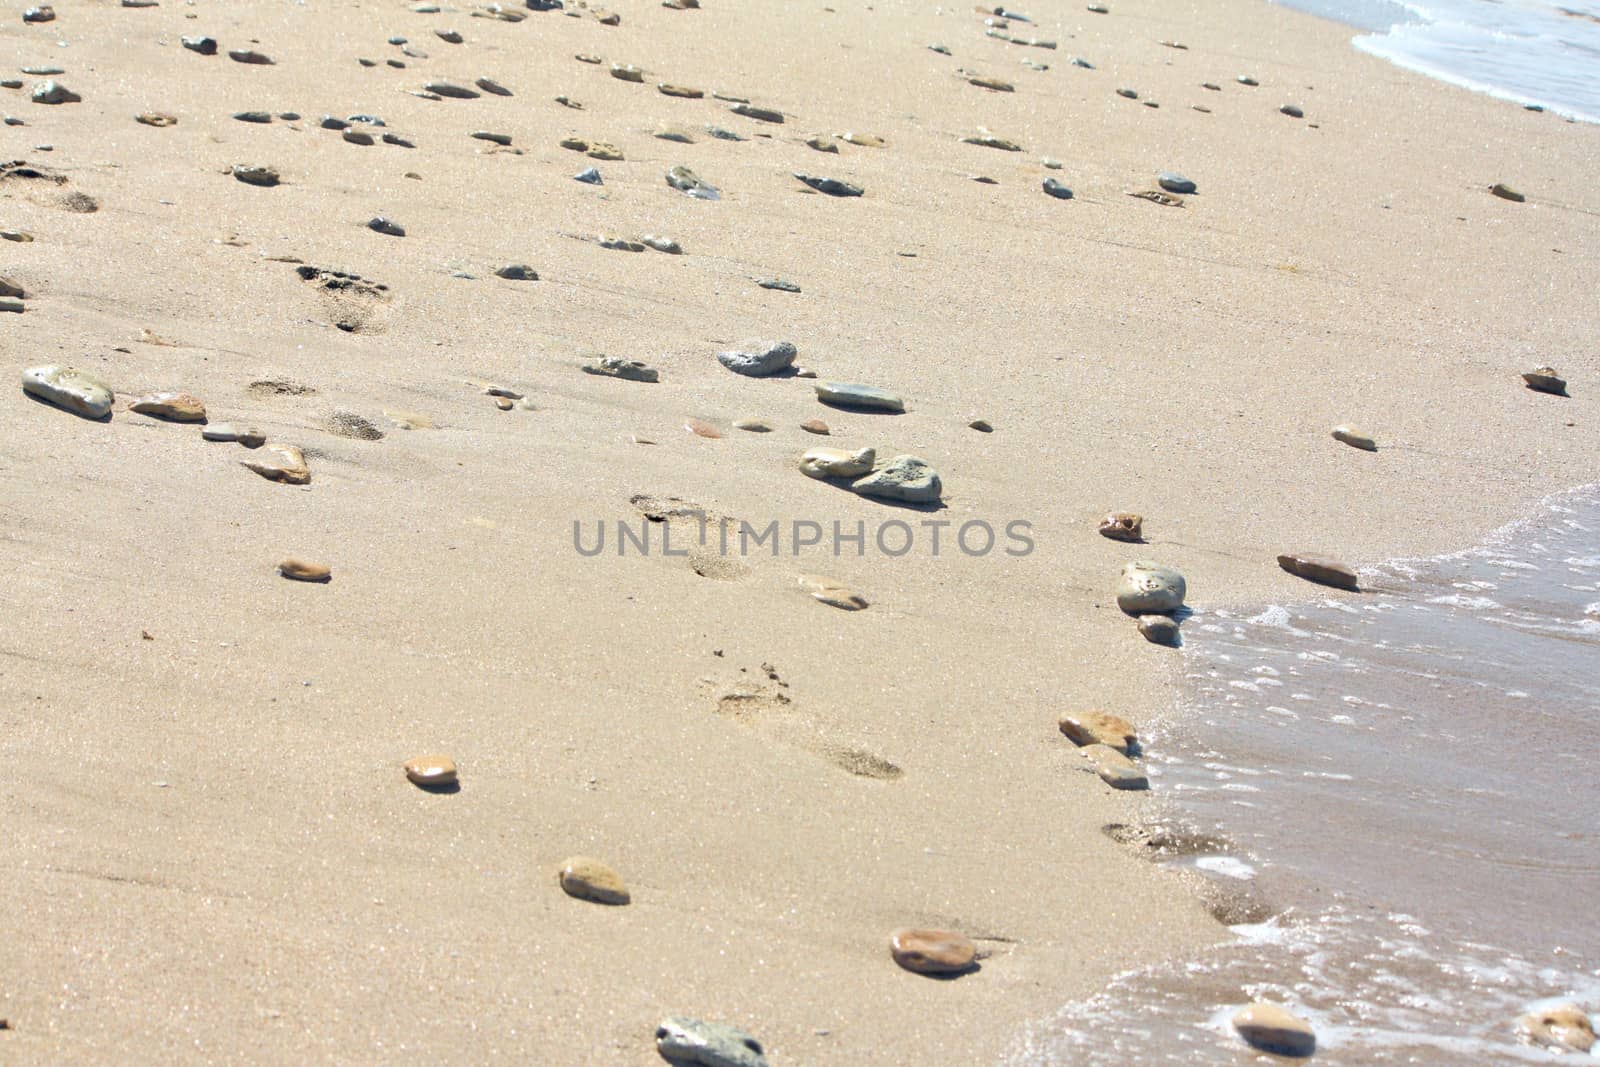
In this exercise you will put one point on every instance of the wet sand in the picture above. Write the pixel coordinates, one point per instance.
(214, 851)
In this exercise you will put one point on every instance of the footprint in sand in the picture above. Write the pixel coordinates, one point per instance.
(759, 699)
(352, 303)
(45, 186)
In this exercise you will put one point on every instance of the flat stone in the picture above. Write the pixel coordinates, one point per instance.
(226, 431)
(680, 91)
(701, 428)
(1320, 569)
(11, 288)
(176, 407)
(1099, 728)
(1174, 183)
(1150, 589)
(1245, 79)
(1272, 1028)
(43, 13)
(12, 306)
(905, 478)
(1505, 192)
(822, 143)
(760, 114)
(451, 90)
(69, 388)
(245, 55)
(589, 176)
(448, 36)
(865, 140)
(265, 177)
(662, 244)
(992, 83)
(752, 425)
(494, 88)
(400, 142)
(589, 879)
(1562, 1027)
(778, 284)
(621, 244)
(627, 369)
(989, 140)
(489, 135)
(1293, 111)
(1123, 526)
(280, 463)
(816, 426)
(1128, 94)
(924, 951)
(758, 359)
(682, 1040)
(676, 134)
(851, 395)
(837, 462)
(1056, 189)
(981, 425)
(389, 227)
(517, 272)
(1355, 438)
(431, 772)
(832, 593)
(686, 180)
(253, 116)
(304, 571)
(1546, 380)
(1159, 630)
(158, 119)
(830, 186)
(723, 134)
(1114, 768)
(53, 92)
(626, 72)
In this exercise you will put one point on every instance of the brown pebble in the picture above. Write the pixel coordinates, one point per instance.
(932, 951)
(1271, 1028)
(431, 771)
(589, 879)
(1320, 569)
(503, 403)
(814, 426)
(1123, 526)
(303, 571)
(1546, 380)
(1099, 728)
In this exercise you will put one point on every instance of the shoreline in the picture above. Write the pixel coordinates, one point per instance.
(241, 765)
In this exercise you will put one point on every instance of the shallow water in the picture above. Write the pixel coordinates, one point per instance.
(1409, 774)
(1527, 51)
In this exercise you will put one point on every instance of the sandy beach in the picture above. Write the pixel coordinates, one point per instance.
(213, 852)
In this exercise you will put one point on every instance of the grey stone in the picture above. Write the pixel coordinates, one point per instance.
(453, 91)
(1056, 189)
(758, 359)
(1159, 629)
(1150, 589)
(497, 138)
(360, 137)
(489, 85)
(245, 55)
(851, 395)
(902, 478)
(627, 369)
(379, 224)
(761, 114)
(53, 92)
(398, 141)
(621, 244)
(206, 46)
(329, 122)
(1079, 61)
(1546, 380)
(1115, 769)
(831, 186)
(662, 244)
(722, 134)
(1293, 111)
(686, 180)
(1355, 438)
(682, 1040)
(44, 13)
(253, 116)
(1174, 183)
(779, 284)
(589, 176)
(265, 177)
(517, 272)
(69, 388)
(1245, 79)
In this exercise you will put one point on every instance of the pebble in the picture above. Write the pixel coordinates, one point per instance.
(686, 180)
(932, 951)
(621, 244)
(265, 177)
(682, 1040)
(497, 138)
(1293, 111)
(988, 140)
(722, 134)
(1355, 438)
(864, 140)
(673, 133)
(822, 143)
(626, 72)
(816, 426)
(1123, 526)
(13, 307)
(981, 425)
(379, 224)
(837, 462)
(517, 272)
(11, 288)
(760, 114)
(1115, 769)
(452, 90)
(280, 463)
(1159, 630)
(448, 36)
(176, 407)
(589, 879)
(1057, 190)
(39, 14)
(992, 83)
(1274, 1029)
(53, 92)
(1174, 183)
(758, 359)
(253, 116)
(494, 88)
(832, 593)
(225, 431)
(1128, 94)
(701, 428)
(627, 369)
(1505, 192)
(589, 176)
(682, 92)
(1079, 61)
(851, 395)
(831, 186)
(1546, 380)
(941, 49)
(303, 571)
(662, 244)
(69, 388)
(1099, 728)
(753, 425)
(398, 141)
(1156, 196)
(1245, 79)
(905, 478)
(1050, 164)
(360, 137)
(1150, 589)
(779, 284)
(431, 772)
(1563, 1027)
(1320, 569)
(244, 55)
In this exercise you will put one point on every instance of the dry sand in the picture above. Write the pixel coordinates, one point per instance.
(212, 853)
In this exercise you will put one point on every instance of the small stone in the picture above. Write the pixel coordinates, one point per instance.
(379, 224)
(822, 144)
(984, 179)
(988, 140)
(1050, 164)
(662, 244)
(621, 244)
(175, 407)
(244, 55)
(448, 36)
(752, 425)
(496, 138)
(253, 116)
(589, 176)
(943, 50)
(981, 425)
(1245, 79)
(1505, 192)
(778, 284)
(1057, 190)
(69, 388)
(1099, 728)
(1115, 769)
(758, 359)
(686, 180)
(1150, 589)
(360, 137)
(865, 140)
(1355, 438)
(832, 593)
(583, 57)
(992, 83)
(626, 72)
(517, 272)
(1156, 196)
(1174, 183)
(431, 772)
(264, 177)
(680, 91)
(1272, 1028)
(1320, 569)
(906, 478)
(1562, 1028)
(932, 951)
(1099, 9)
(676, 134)
(303, 571)
(685, 1041)
(156, 118)
(223, 431)
(627, 369)
(11, 288)
(503, 403)
(850, 395)
(400, 142)
(1081, 63)
(451, 90)
(1128, 94)
(1123, 526)
(760, 114)
(1159, 630)
(589, 879)
(816, 426)
(1546, 380)
(1293, 111)
(722, 134)
(280, 463)
(494, 88)
(836, 462)
(831, 186)
(53, 92)
(43, 13)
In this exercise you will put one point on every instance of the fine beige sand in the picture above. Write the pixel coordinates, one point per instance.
(211, 851)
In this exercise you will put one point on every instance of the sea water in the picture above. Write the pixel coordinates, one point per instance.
(1408, 776)
(1527, 51)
